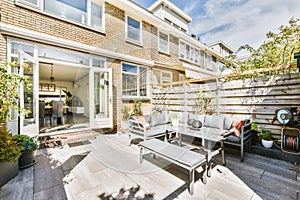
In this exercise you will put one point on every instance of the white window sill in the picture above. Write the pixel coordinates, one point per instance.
(134, 97)
(164, 52)
(134, 42)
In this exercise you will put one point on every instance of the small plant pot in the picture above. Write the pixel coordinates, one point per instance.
(175, 122)
(267, 143)
(27, 159)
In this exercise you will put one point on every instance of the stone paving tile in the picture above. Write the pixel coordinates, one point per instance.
(54, 193)
(17, 190)
(109, 166)
(46, 178)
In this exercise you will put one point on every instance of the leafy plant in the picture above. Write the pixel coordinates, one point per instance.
(254, 126)
(276, 54)
(205, 102)
(175, 117)
(9, 94)
(126, 113)
(265, 134)
(28, 143)
(137, 107)
(10, 150)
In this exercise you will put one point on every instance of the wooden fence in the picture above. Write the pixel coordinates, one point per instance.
(256, 99)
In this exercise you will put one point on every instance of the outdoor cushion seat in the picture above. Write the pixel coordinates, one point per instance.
(150, 126)
(222, 125)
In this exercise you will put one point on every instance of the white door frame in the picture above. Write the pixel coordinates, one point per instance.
(108, 122)
(32, 129)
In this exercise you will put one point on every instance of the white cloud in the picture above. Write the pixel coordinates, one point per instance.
(190, 6)
(243, 22)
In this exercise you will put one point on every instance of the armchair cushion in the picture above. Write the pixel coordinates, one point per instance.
(157, 119)
(238, 128)
(143, 121)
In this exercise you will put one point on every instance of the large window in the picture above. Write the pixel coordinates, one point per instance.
(133, 30)
(86, 12)
(188, 53)
(134, 81)
(163, 42)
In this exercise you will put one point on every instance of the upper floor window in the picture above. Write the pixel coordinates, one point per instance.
(163, 44)
(133, 30)
(208, 59)
(188, 53)
(134, 81)
(86, 12)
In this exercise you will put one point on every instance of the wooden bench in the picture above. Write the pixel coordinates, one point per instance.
(178, 155)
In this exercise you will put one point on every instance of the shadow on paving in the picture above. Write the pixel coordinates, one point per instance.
(176, 171)
(126, 195)
(49, 175)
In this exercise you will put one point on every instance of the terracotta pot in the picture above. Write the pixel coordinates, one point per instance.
(8, 170)
(27, 159)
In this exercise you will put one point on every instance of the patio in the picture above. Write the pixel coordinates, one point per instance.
(107, 168)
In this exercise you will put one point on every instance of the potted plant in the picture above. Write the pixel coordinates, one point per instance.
(30, 146)
(125, 118)
(10, 151)
(266, 138)
(175, 120)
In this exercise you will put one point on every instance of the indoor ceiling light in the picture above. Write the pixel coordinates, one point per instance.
(52, 79)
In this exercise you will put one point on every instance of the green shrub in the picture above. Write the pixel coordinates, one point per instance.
(10, 150)
(265, 134)
(29, 143)
(126, 113)
(137, 107)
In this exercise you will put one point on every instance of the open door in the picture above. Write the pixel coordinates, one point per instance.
(101, 100)
(28, 124)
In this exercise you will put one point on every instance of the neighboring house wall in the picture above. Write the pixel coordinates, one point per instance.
(113, 39)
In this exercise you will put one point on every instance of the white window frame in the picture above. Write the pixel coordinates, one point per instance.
(161, 79)
(138, 96)
(159, 47)
(40, 8)
(137, 42)
(189, 56)
(208, 61)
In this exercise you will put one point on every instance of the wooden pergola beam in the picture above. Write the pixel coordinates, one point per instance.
(204, 80)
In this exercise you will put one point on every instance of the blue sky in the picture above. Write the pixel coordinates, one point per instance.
(236, 22)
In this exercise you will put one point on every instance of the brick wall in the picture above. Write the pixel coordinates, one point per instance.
(113, 39)
(2, 49)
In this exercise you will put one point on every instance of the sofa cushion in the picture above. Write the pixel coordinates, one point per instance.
(156, 130)
(197, 117)
(143, 121)
(238, 128)
(210, 130)
(234, 139)
(158, 119)
(227, 122)
(214, 121)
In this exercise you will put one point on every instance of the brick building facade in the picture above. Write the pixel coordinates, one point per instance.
(106, 33)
